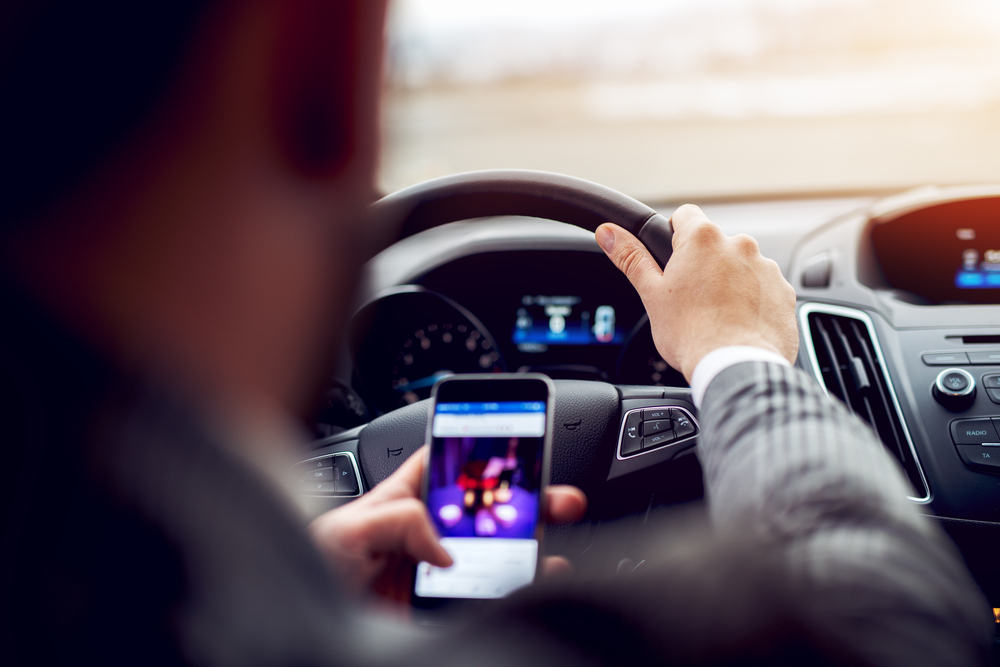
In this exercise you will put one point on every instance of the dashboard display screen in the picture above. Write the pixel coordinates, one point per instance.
(947, 253)
(543, 320)
(980, 268)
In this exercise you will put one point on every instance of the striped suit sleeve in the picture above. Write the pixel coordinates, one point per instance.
(804, 476)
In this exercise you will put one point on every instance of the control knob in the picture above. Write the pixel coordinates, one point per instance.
(955, 389)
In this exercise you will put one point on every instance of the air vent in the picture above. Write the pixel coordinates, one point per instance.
(847, 358)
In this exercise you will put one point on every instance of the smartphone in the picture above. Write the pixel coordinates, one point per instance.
(484, 485)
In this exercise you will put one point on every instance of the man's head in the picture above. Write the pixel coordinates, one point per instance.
(184, 181)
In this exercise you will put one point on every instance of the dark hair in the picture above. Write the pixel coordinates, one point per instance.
(76, 80)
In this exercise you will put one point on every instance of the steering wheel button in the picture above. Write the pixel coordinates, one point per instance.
(319, 475)
(320, 487)
(654, 427)
(631, 446)
(973, 432)
(658, 413)
(683, 426)
(658, 440)
(684, 429)
(345, 477)
(632, 433)
(325, 462)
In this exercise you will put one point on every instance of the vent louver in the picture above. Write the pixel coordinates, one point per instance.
(848, 360)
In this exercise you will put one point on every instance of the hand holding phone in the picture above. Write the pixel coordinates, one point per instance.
(484, 485)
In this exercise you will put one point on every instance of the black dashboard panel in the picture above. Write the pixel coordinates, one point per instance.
(570, 314)
(518, 294)
(945, 253)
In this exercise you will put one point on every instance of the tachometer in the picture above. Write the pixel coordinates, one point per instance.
(404, 341)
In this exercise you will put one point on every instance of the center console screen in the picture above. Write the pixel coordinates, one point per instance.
(948, 253)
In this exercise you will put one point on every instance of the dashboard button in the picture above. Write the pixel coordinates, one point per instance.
(319, 475)
(980, 457)
(631, 436)
(652, 428)
(945, 359)
(991, 381)
(657, 440)
(659, 413)
(346, 477)
(991, 358)
(320, 487)
(683, 426)
(973, 431)
(994, 395)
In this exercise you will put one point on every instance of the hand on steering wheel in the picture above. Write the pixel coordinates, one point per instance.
(374, 541)
(716, 291)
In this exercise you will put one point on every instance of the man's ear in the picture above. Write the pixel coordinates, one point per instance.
(325, 85)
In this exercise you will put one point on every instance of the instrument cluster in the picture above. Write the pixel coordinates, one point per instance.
(569, 314)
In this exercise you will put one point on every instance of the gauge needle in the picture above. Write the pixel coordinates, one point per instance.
(422, 382)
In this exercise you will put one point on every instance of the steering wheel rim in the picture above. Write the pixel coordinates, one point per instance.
(539, 194)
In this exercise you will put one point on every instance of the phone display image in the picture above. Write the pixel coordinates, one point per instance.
(484, 485)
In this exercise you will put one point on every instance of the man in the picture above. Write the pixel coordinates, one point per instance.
(184, 192)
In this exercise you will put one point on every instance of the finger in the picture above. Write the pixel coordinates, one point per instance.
(556, 566)
(629, 255)
(404, 483)
(686, 217)
(690, 224)
(402, 525)
(564, 503)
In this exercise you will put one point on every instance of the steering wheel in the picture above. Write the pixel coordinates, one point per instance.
(603, 438)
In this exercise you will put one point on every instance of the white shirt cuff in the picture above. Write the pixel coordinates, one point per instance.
(722, 358)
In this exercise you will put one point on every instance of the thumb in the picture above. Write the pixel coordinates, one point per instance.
(630, 256)
(403, 525)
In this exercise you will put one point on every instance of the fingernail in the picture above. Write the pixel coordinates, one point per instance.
(606, 238)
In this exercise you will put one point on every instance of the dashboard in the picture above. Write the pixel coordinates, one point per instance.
(898, 310)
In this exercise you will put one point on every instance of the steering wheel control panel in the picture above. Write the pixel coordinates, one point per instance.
(978, 443)
(648, 429)
(330, 475)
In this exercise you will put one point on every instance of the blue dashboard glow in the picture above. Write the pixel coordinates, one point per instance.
(571, 335)
(977, 279)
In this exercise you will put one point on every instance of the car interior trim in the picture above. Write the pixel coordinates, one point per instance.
(829, 309)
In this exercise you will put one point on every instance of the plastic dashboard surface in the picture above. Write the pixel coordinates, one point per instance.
(872, 270)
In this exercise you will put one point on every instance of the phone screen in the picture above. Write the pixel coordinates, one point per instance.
(483, 491)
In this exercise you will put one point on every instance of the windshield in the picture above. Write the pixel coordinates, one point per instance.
(697, 99)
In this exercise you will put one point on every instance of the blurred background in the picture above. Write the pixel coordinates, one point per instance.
(670, 100)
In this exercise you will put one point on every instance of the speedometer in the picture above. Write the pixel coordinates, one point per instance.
(404, 341)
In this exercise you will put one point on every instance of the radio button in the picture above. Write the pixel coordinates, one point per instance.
(973, 432)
